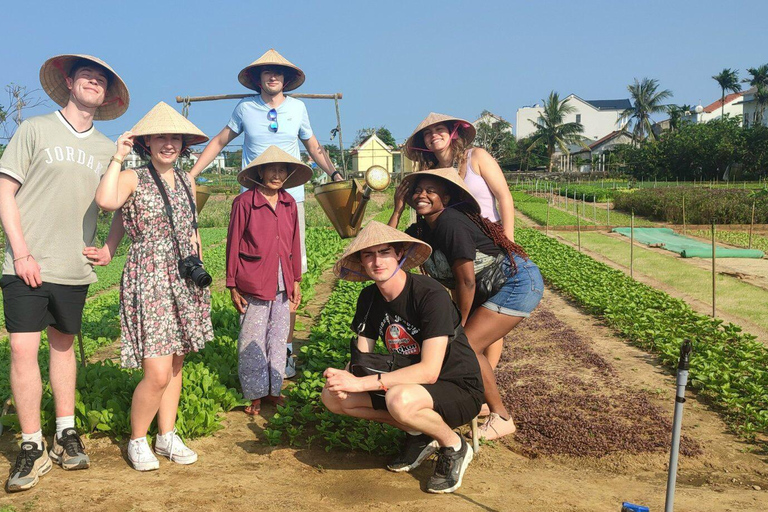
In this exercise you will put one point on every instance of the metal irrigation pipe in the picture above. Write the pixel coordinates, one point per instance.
(682, 380)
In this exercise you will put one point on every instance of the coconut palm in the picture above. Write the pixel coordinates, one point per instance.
(647, 100)
(728, 80)
(552, 130)
(676, 115)
(759, 80)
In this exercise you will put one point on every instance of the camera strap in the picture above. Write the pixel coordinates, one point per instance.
(169, 208)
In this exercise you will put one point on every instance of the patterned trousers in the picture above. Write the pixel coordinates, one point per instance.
(261, 346)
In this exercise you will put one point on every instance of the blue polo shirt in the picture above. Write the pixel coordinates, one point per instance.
(250, 116)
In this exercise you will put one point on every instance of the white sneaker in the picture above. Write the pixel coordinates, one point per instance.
(290, 367)
(141, 456)
(170, 445)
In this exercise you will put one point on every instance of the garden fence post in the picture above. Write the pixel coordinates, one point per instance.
(578, 231)
(684, 230)
(608, 212)
(752, 224)
(714, 272)
(594, 208)
(632, 245)
(547, 218)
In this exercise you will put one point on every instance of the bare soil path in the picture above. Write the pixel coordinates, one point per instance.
(237, 470)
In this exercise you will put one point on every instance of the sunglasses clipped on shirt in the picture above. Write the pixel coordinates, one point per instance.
(272, 116)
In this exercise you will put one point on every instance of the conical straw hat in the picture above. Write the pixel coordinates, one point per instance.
(270, 58)
(466, 131)
(453, 181)
(375, 233)
(298, 172)
(164, 119)
(53, 78)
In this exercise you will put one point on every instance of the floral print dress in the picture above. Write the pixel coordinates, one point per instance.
(160, 313)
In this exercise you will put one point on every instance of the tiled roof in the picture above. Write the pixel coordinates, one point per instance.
(717, 104)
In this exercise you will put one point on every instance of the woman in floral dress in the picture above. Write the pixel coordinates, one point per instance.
(162, 315)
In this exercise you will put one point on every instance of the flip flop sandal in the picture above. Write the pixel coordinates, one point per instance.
(254, 408)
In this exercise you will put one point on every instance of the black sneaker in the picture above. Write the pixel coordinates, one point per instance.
(31, 463)
(69, 451)
(450, 468)
(416, 449)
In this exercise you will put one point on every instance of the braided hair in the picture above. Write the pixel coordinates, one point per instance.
(490, 229)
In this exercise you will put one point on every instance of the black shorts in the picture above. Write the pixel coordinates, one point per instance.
(30, 309)
(457, 405)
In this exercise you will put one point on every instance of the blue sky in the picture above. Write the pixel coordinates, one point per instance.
(393, 61)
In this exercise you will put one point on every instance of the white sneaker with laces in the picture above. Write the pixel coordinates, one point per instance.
(170, 445)
(141, 456)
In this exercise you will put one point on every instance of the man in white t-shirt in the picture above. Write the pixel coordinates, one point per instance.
(272, 118)
(48, 178)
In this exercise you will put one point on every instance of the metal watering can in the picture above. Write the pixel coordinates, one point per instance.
(344, 202)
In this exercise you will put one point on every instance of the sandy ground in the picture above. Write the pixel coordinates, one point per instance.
(237, 470)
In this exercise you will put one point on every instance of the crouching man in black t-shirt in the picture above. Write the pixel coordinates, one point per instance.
(412, 315)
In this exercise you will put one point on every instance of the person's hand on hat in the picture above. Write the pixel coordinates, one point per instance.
(238, 300)
(401, 192)
(124, 145)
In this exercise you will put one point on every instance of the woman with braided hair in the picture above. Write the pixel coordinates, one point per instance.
(466, 247)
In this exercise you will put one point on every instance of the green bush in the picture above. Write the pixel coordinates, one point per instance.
(702, 205)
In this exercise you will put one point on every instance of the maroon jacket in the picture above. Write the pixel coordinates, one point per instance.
(257, 237)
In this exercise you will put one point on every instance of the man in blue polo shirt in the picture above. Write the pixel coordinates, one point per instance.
(272, 118)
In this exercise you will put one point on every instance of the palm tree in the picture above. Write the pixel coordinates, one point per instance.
(760, 81)
(728, 80)
(647, 100)
(551, 128)
(676, 113)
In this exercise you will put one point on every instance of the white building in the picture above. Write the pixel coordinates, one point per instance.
(748, 103)
(599, 117)
(734, 107)
(220, 161)
(492, 120)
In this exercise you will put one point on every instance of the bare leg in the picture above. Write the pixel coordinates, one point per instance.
(63, 370)
(158, 373)
(493, 352)
(483, 328)
(26, 383)
(169, 403)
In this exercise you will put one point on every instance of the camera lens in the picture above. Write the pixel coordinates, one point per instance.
(200, 277)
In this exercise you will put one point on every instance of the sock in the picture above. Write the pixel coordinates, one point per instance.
(413, 432)
(34, 437)
(456, 447)
(64, 422)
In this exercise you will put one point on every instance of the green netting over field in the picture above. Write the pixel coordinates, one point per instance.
(666, 238)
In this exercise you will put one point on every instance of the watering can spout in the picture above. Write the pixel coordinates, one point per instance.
(344, 202)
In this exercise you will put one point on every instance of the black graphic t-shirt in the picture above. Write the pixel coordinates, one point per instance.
(423, 310)
(455, 237)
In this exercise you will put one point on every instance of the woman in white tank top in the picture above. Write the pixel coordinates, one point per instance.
(445, 141)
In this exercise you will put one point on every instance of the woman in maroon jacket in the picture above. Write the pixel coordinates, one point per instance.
(264, 270)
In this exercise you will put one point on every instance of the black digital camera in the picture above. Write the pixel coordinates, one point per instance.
(192, 268)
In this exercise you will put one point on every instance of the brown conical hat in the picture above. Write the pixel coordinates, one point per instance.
(298, 172)
(165, 119)
(375, 233)
(270, 58)
(466, 131)
(53, 78)
(454, 182)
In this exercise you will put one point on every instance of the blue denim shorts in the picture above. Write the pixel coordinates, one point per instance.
(521, 293)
